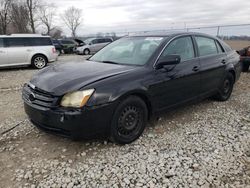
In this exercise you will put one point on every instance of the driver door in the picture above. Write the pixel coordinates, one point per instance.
(176, 84)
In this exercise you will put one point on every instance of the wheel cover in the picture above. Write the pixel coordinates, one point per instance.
(86, 52)
(129, 122)
(39, 62)
(226, 87)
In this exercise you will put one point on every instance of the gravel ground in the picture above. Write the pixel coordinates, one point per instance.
(201, 145)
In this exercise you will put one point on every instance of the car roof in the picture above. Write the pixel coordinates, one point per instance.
(25, 35)
(169, 34)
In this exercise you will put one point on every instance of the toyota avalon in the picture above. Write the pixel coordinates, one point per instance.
(116, 91)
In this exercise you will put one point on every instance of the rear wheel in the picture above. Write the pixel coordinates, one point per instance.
(39, 61)
(226, 88)
(129, 120)
(86, 52)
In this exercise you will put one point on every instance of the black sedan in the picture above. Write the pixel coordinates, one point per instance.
(117, 90)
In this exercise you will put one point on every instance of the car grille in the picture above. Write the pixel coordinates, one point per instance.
(38, 97)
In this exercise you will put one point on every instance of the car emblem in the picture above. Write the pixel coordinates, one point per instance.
(32, 97)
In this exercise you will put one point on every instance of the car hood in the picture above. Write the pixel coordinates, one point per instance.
(66, 77)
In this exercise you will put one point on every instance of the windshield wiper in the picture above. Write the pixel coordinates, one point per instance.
(111, 62)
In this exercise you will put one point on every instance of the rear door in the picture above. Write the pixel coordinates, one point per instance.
(105, 42)
(213, 63)
(18, 51)
(100, 43)
(3, 54)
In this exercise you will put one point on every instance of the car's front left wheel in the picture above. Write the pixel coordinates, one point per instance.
(129, 120)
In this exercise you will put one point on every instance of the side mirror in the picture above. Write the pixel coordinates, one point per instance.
(168, 60)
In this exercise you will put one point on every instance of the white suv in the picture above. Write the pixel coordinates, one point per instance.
(25, 50)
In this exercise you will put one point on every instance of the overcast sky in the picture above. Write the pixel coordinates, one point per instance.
(133, 15)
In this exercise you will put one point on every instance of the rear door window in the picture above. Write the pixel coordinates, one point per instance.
(181, 46)
(100, 41)
(108, 40)
(206, 46)
(95, 41)
(220, 49)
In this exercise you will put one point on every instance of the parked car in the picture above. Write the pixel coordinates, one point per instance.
(118, 89)
(26, 49)
(245, 58)
(69, 46)
(93, 45)
(58, 46)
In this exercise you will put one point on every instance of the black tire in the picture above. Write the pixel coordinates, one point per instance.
(129, 120)
(39, 61)
(226, 88)
(86, 52)
(245, 67)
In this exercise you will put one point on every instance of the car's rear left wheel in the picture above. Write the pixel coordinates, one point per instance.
(226, 88)
(129, 120)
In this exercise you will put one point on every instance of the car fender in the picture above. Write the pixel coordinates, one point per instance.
(114, 92)
(36, 52)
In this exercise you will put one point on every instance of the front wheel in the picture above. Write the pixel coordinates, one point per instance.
(129, 120)
(86, 52)
(226, 88)
(39, 61)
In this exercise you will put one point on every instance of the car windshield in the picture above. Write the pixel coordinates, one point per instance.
(129, 51)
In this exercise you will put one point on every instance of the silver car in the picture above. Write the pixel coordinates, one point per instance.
(93, 45)
(26, 49)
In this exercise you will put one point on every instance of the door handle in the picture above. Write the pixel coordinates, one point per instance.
(29, 50)
(223, 61)
(195, 68)
(2, 51)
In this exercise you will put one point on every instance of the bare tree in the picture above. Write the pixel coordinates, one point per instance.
(46, 16)
(72, 17)
(4, 15)
(56, 33)
(32, 6)
(19, 18)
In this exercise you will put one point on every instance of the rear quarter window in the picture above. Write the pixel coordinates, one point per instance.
(39, 42)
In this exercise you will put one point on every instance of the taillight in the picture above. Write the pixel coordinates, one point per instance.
(53, 50)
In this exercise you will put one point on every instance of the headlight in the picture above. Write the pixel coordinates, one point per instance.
(76, 99)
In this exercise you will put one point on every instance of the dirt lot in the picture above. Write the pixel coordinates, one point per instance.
(202, 145)
(238, 44)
